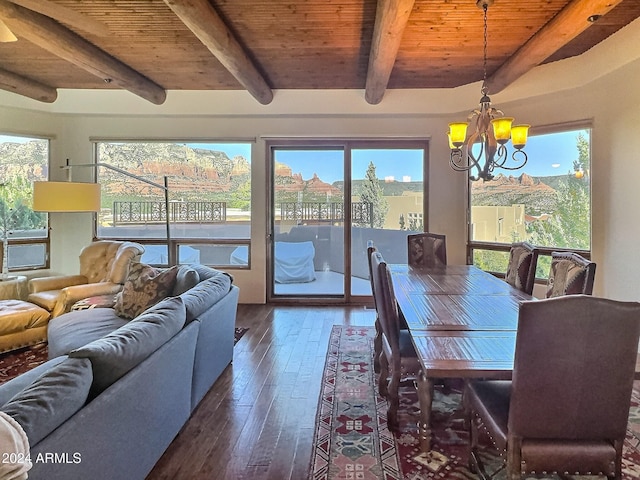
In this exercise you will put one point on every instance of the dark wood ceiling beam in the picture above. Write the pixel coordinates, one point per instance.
(391, 20)
(65, 15)
(62, 42)
(205, 23)
(27, 87)
(564, 27)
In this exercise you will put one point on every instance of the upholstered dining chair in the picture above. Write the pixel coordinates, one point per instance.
(398, 359)
(521, 270)
(570, 274)
(104, 267)
(566, 408)
(377, 341)
(426, 250)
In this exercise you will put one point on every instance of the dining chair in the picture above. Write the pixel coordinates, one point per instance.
(566, 408)
(427, 250)
(398, 359)
(570, 274)
(521, 270)
(377, 341)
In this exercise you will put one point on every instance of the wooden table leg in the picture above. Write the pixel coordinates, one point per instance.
(425, 396)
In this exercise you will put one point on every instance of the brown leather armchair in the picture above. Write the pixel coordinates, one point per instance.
(104, 266)
(566, 408)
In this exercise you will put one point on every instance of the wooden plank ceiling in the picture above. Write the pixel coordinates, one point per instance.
(152, 46)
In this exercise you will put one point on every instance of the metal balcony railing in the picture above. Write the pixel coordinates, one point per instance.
(179, 212)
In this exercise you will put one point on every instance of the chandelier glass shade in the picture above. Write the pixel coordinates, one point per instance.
(485, 148)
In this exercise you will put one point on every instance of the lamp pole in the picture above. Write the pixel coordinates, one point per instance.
(165, 188)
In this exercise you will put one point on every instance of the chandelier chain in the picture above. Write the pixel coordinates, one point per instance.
(485, 7)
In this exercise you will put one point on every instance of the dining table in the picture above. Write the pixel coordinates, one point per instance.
(463, 324)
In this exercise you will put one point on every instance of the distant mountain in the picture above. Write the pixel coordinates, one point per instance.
(189, 170)
(523, 189)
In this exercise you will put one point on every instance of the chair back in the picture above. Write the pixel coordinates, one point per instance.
(370, 251)
(427, 250)
(386, 302)
(521, 271)
(574, 368)
(570, 274)
(109, 260)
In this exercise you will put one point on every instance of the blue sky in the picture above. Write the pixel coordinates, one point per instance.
(548, 155)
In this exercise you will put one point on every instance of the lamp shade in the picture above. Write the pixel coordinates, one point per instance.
(519, 135)
(457, 134)
(502, 129)
(66, 197)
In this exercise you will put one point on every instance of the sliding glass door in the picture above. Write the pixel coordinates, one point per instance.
(328, 201)
(388, 192)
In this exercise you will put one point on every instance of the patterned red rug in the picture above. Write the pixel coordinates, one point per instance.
(19, 361)
(352, 440)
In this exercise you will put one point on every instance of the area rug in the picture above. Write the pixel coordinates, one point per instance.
(352, 440)
(19, 361)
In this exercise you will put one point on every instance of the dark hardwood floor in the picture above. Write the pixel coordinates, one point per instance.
(257, 422)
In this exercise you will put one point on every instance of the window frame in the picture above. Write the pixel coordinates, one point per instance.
(42, 240)
(473, 245)
(173, 246)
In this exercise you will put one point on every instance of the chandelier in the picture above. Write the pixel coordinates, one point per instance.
(485, 149)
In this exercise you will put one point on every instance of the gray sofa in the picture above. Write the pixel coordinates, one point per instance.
(112, 399)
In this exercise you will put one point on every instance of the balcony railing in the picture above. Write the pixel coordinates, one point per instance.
(326, 212)
(179, 212)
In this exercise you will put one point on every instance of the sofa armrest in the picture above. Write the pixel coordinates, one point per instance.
(58, 282)
(70, 295)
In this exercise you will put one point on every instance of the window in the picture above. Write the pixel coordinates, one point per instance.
(334, 197)
(208, 198)
(23, 160)
(547, 203)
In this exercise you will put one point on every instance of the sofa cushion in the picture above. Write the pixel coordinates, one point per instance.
(118, 352)
(51, 399)
(145, 286)
(186, 278)
(14, 386)
(199, 298)
(76, 329)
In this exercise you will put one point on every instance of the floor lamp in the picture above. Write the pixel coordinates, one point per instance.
(72, 196)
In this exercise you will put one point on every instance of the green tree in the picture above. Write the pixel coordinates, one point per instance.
(569, 225)
(371, 192)
(241, 197)
(15, 207)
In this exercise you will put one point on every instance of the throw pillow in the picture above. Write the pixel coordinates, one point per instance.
(115, 354)
(186, 278)
(51, 399)
(145, 286)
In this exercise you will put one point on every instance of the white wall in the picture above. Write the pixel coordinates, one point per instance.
(560, 92)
